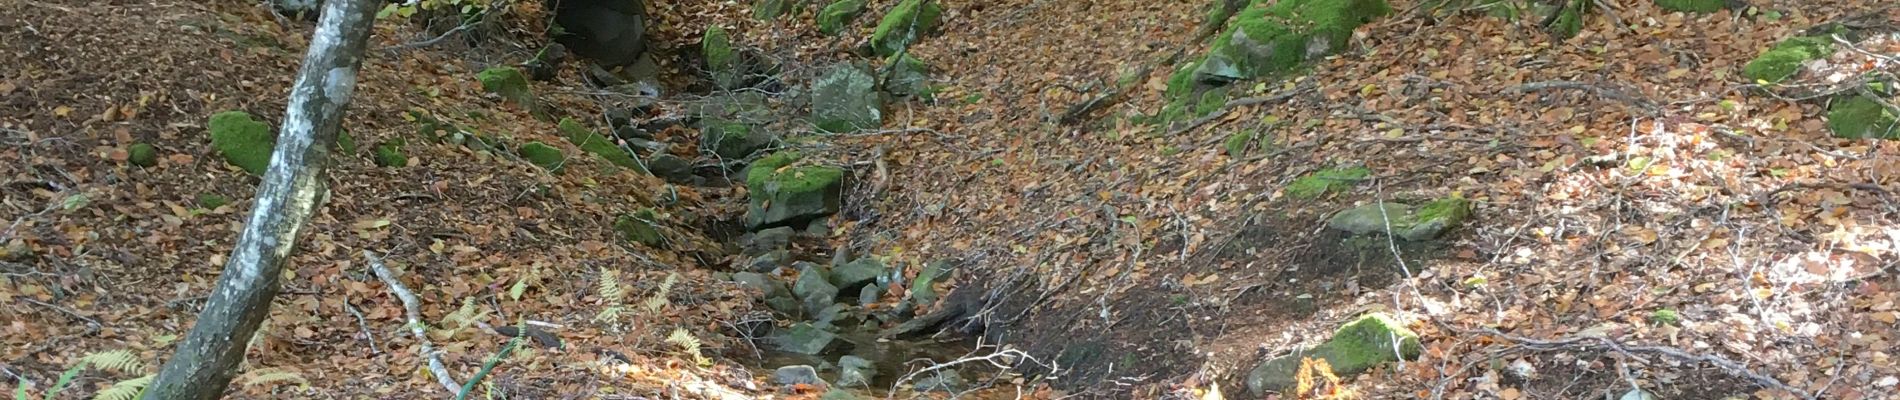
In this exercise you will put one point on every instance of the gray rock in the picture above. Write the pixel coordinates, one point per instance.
(813, 290)
(854, 275)
(769, 261)
(855, 371)
(804, 338)
(732, 140)
(909, 76)
(944, 380)
(768, 240)
(766, 286)
(670, 167)
(1358, 346)
(1416, 224)
(797, 375)
(845, 99)
(869, 295)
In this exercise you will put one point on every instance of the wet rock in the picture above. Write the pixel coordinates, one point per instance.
(804, 338)
(855, 371)
(797, 375)
(1416, 224)
(943, 380)
(732, 140)
(767, 241)
(852, 276)
(813, 290)
(845, 99)
(1359, 345)
(782, 194)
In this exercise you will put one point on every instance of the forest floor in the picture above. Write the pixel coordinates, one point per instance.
(1617, 177)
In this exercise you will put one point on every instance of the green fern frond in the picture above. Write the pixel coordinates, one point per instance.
(465, 316)
(609, 289)
(116, 360)
(659, 300)
(273, 375)
(688, 344)
(609, 315)
(126, 389)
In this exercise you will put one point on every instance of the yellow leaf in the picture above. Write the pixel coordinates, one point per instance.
(368, 224)
(62, 111)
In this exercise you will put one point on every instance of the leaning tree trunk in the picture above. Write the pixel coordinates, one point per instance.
(293, 186)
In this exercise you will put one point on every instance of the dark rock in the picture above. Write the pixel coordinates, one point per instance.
(767, 240)
(797, 375)
(854, 275)
(804, 338)
(671, 167)
(612, 32)
(632, 132)
(769, 261)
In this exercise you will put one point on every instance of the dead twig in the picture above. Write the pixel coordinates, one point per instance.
(92, 325)
(1615, 94)
(1729, 366)
(363, 324)
(414, 311)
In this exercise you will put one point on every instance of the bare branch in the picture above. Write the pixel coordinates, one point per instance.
(411, 307)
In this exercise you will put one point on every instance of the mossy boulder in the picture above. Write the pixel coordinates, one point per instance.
(1364, 343)
(833, 19)
(1416, 224)
(732, 140)
(508, 83)
(904, 25)
(142, 154)
(1269, 39)
(1862, 117)
(639, 227)
(722, 62)
(1319, 183)
(598, 145)
(242, 141)
(908, 76)
(1695, 6)
(544, 156)
(389, 154)
(783, 194)
(846, 99)
(772, 9)
(1786, 58)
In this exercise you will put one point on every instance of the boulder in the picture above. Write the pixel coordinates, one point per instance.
(1276, 38)
(671, 167)
(836, 16)
(1862, 117)
(142, 154)
(853, 276)
(242, 141)
(1366, 342)
(845, 99)
(909, 77)
(813, 291)
(638, 227)
(544, 156)
(508, 83)
(783, 194)
(611, 32)
(1786, 58)
(732, 140)
(1416, 224)
(803, 338)
(722, 62)
(909, 21)
(797, 375)
(855, 371)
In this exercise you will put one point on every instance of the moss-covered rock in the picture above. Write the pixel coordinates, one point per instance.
(1269, 39)
(544, 156)
(833, 19)
(242, 141)
(1326, 181)
(507, 82)
(598, 145)
(909, 76)
(904, 25)
(782, 193)
(1238, 142)
(1569, 21)
(803, 338)
(1364, 343)
(732, 140)
(1861, 117)
(1696, 6)
(1416, 224)
(389, 154)
(845, 99)
(772, 9)
(142, 154)
(722, 62)
(639, 227)
(1786, 58)
(211, 201)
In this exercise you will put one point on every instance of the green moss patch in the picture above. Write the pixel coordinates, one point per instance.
(142, 154)
(722, 62)
(242, 141)
(1238, 142)
(1316, 184)
(1269, 39)
(600, 146)
(544, 156)
(772, 9)
(1358, 346)
(833, 19)
(389, 154)
(906, 23)
(1695, 6)
(639, 227)
(1861, 117)
(1786, 58)
(211, 201)
(782, 193)
(507, 82)
(1417, 224)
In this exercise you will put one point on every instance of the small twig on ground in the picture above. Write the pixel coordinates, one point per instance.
(414, 311)
(1729, 366)
(91, 324)
(1242, 102)
(1615, 94)
(361, 323)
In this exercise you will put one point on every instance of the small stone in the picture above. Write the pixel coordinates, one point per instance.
(855, 371)
(768, 240)
(854, 275)
(869, 295)
(769, 261)
(944, 380)
(797, 375)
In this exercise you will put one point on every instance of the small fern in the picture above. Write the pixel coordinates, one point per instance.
(273, 376)
(688, 344)
(123, 361)
(466, 316)
(126, 389)
(658, 300)
(612, 294)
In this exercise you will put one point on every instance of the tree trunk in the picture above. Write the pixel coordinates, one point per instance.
(292, 188)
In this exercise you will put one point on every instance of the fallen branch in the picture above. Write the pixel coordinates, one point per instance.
(362, 324)
(1002, 359)
(414, 311)
(1242, 102)
(1615, 94)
